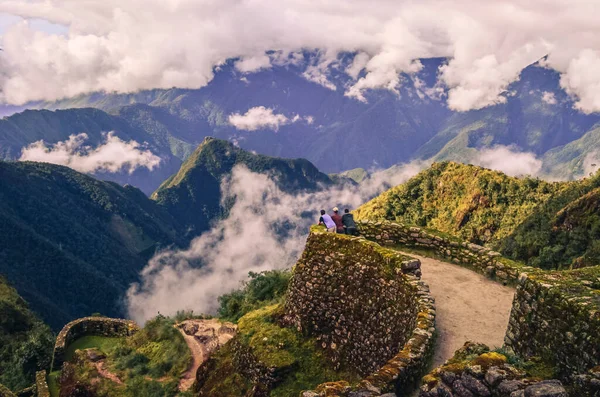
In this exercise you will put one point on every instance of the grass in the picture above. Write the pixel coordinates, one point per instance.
(102, 343)
(285, 348)
(150, 363)
(53, 383)
(300, 364)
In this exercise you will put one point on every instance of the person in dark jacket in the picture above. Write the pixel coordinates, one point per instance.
(348, 223)
(337, 218)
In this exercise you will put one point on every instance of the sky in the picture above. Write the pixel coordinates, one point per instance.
(126, 46)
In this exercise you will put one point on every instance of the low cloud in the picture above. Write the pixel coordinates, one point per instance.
(510, 161)
(266, 229)
(113, 155)
(260, 117)
(253, 64)
(549, 98)
(591, 163)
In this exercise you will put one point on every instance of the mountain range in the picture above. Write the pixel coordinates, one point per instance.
(333, 131)
(73, 244)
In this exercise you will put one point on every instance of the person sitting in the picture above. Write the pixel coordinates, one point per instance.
(337, 218)
(327, 221)
(348, 222)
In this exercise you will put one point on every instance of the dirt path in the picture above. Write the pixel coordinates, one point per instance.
(468, 307)
(202, 337)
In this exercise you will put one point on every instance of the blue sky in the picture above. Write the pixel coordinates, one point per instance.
(6, 20)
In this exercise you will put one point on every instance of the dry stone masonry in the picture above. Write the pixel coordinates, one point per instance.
(556, 316)
(99, 326)
(41, 385)
(481, 259)
(366, 307)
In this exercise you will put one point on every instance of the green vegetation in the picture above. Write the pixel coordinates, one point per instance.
(54, 383)
(148, 363)
(25, 342)
(262, 289)
(102, 343)
(299, 364)
(193, 195)
(546, 225)
(69, 241)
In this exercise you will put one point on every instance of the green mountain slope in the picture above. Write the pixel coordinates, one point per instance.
(25, 342)
(564, 161)
(478, 204)
(73, 244)
(193, 195)
(563, 232)
(22, 129)
(547, 225)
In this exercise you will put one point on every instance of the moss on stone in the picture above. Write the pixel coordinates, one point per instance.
(490, 359)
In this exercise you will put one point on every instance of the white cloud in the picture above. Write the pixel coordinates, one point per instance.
(260, 117)
(119, 46)
(248, 240)
(591, 163)
(253, 64)
(549, 98)
(113, 155)
(510, 161)
(582, 80)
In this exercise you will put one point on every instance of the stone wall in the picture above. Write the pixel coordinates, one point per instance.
(556, 316)
(478, 258)
(41, 385)
(475, 371)
(5, 392)
(367, 309)
(99, 326)
(353, 297)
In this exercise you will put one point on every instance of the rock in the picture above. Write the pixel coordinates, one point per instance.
(460, 390)
(448, 377)
(547, 388)
(518, 393)
(475, 385)
(508, 386)
(494, 376)
(94, 355)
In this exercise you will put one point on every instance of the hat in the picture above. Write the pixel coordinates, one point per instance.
(335, 209)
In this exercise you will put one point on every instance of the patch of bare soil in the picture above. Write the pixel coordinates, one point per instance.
(469, 307)
(203, 337)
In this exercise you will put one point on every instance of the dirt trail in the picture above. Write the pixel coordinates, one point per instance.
(203, 337)
(468, 307)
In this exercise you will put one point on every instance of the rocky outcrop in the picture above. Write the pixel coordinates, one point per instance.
(588, 385)
(100, 326)
(475, 371)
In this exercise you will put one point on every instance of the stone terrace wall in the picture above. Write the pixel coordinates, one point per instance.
(5, 392)
(367, 308)
(481, 259)
(41, 385)
(556, 316)
(99, 326)
(353, 297)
